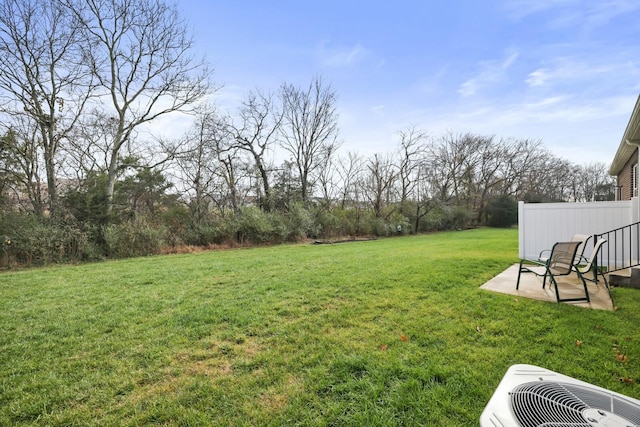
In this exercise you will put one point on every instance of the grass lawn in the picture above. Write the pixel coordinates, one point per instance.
(379, 333)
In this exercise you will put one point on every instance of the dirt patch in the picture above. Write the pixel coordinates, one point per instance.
(345, 240)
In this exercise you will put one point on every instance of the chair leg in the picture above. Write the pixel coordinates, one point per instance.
(596, 272)
(584, 284)
(606, 284)
(519, 273)
(555, 285)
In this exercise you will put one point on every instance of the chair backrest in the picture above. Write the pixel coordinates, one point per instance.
(582, 238)
(594, 254)
(563, 257)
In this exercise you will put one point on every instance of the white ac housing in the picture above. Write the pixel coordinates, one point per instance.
(530, 396)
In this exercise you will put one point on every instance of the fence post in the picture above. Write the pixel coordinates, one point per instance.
(521, 228)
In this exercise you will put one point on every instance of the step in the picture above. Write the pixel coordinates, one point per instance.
(627, 278)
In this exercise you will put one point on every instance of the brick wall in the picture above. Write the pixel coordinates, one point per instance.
(624, 178)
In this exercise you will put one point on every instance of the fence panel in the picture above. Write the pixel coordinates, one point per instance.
(540, 225)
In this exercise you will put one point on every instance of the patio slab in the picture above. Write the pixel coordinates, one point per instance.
(531, 287)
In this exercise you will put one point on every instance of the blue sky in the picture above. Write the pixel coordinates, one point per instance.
(566, 72)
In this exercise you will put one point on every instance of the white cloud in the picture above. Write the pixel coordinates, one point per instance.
(602, 12)
(518, 9)
(341, 56)
(538, 77)
(570, 70)
(579, 15)
(491, 72)
(468, 88)
(545, 102)
(509, 60)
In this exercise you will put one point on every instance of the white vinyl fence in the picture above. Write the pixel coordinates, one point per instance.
(541, 225)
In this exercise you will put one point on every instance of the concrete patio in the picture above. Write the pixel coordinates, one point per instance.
(531, 287)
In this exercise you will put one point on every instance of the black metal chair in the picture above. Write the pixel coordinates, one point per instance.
(582, 238)
(562, 261)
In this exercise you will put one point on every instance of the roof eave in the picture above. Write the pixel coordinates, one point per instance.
(630, 142)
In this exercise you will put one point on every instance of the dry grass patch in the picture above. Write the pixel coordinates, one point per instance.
(275, 398)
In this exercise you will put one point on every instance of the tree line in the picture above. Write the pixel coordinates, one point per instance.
(83, 174)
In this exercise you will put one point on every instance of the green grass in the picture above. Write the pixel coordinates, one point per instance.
(387, 332)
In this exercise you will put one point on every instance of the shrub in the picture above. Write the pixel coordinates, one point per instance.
(41, 241)
(327, 223)
(298, 224)
(136, 237)
(337, 222)
(460, 218)
(376, 226)
(399, 223)
(254, 225)
(436, 218)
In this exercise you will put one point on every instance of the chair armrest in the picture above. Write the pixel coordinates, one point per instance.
(544, 255)
(533, 262)
(581, 260)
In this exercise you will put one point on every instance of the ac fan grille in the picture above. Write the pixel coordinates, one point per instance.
(553, 404)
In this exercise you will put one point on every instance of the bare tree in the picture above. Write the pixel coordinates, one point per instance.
(379, 181)
(594, 183)
(141, 57)
(447, 158)
(521, 159)
(9, 170)
(546, 178)
(256, 133)
(196, 162)
(310, 128)
(326, 177)
(43, 75)
(89, 145)
(489, 157)
(20, 167)
(349, 171)
(424, 199)
(233, 168)
(411, 152)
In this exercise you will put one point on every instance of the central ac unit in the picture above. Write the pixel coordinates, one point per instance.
(530, 396)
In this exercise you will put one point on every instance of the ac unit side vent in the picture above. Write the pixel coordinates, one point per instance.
(531, 396)
(556, 404)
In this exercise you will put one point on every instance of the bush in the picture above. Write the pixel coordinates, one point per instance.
(203, 235)
(132, 238)
(254, 225)
(327, 223)
(399, 224)
(447, 217)
(436, 218)
(460, 218)
(337, 222)
(41, 241)
(375, 226)
(298, 224)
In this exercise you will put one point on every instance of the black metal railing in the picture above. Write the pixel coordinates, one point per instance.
(622, 249)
